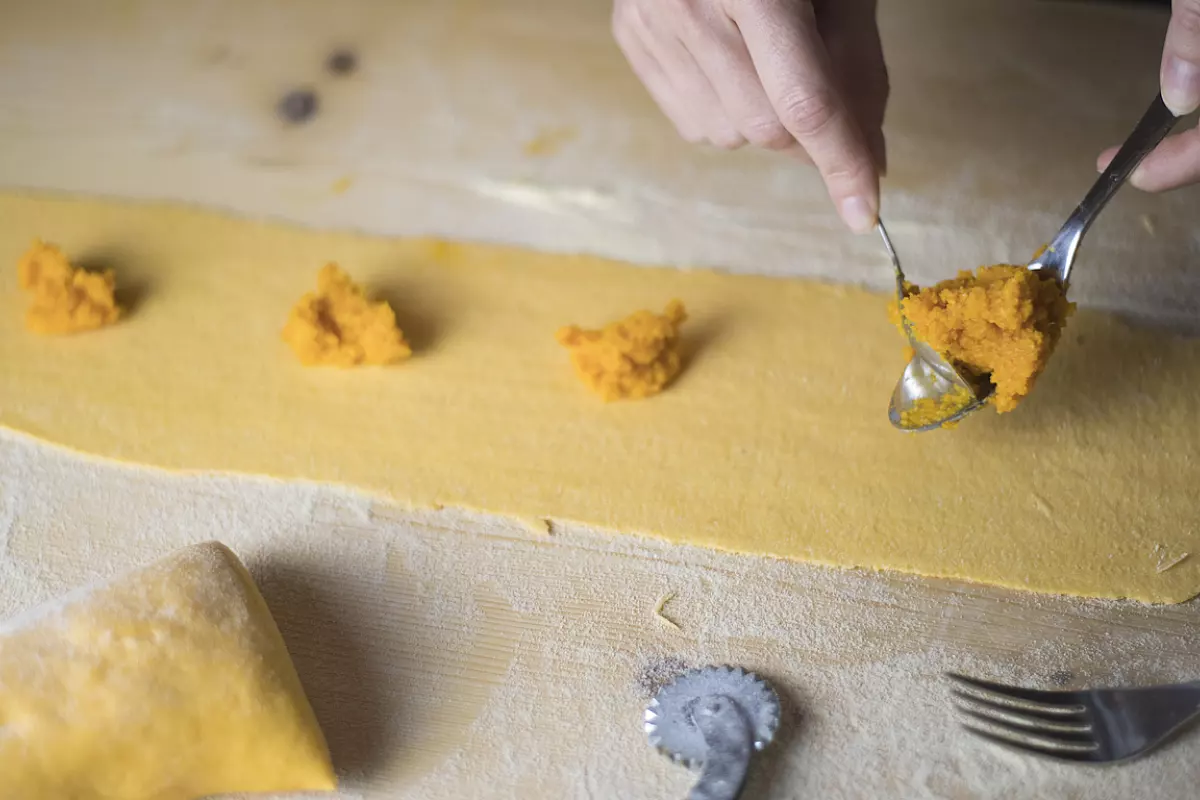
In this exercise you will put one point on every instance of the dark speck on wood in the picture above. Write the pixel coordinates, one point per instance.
(298, 105)
(1061, 677)
(342, 62)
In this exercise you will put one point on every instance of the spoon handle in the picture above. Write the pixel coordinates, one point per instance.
(1154, 126)
(901, 281)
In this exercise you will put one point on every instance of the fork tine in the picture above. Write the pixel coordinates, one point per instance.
(1001, 726)
(1046, 702)
(1026, 744)
(1041, 711)
(990, 712)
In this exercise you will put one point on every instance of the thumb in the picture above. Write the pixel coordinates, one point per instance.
(1181, 59)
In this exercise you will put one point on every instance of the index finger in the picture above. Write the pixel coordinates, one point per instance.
(790, 58)
(1181, 58)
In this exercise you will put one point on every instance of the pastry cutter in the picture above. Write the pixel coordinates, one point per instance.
(713, 720)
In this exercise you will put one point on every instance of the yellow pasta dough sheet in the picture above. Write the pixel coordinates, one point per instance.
(773, 439)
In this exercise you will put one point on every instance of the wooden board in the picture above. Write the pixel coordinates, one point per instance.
(518, 121)
(460, 656)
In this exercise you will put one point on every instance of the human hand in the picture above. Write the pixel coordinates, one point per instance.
(1176, 162)
(802, 76)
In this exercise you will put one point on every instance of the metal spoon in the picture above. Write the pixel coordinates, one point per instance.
(928, 375)
(1059, 255)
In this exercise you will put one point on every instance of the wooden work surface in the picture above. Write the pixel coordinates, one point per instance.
(451, 655)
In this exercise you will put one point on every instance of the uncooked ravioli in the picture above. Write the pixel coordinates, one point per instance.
(168, 683)
(773, 440)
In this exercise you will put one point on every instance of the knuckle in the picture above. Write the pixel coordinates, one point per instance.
(690, 134)
(665, 14)
(877, 99)
(627, 19)
(885, 85)
(621, 36)
(808, 114)
(850, 172)
(767, 132)
(680, 9)
(1186, 14)
(726, 139)
(687, 131)
(622, 18)
(617, 26)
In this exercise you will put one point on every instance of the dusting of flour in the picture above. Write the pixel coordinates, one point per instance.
(451, 654)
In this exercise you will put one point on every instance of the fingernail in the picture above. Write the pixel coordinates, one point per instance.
(857, 214)
(1181, 86)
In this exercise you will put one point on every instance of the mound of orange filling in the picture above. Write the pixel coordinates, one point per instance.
(64, 299)
(632, 358)
(339, 326)
(1001, 323)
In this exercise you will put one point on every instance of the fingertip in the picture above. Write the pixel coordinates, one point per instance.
(859, 214)
(1105, 158)
(1138, 180)
(1147, 184)
(1180, 85)
(1175, 163)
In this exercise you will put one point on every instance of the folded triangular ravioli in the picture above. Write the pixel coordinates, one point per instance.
(169, 683)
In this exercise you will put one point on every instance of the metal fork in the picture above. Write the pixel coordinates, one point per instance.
(1096, 726)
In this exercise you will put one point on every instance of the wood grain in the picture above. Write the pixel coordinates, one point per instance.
(457, 656)
(451, 655)
(999, 110)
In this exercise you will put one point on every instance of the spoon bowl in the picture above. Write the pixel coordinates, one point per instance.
(929, 380)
